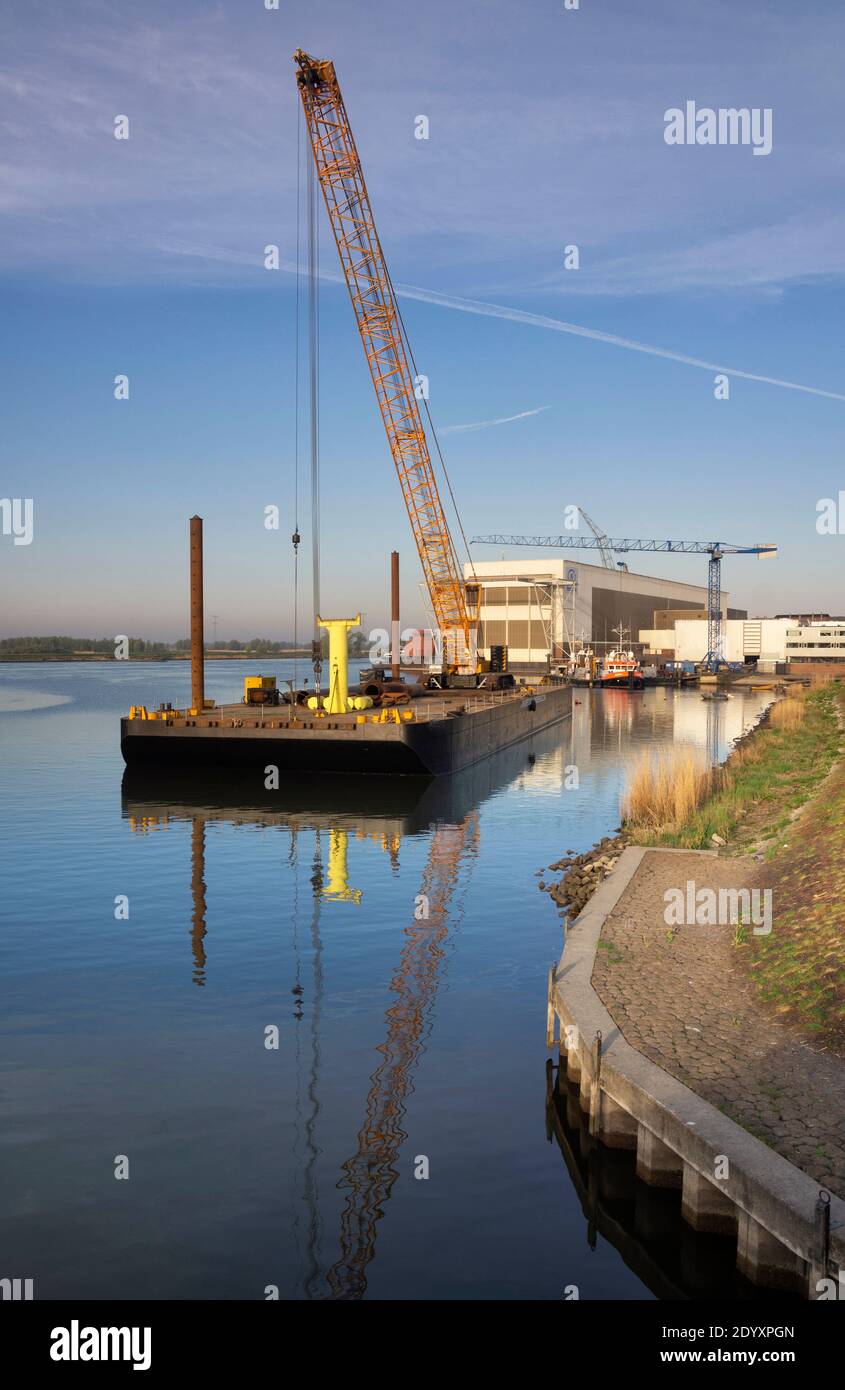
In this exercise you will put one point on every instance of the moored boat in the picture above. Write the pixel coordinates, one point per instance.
(621, 669)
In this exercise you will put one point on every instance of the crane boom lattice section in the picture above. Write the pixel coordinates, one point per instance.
(622, 544)
(379, 323)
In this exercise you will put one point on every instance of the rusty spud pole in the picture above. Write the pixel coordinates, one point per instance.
(197, 626)
(394, 613)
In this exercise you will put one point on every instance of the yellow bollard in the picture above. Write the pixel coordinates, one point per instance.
(337, 701)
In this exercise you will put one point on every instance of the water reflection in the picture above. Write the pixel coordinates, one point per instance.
(322, 824)
(384, 810)
(198, 927)
(370, 1173)
(642, 1222)
(612, 719)
(310, 1190)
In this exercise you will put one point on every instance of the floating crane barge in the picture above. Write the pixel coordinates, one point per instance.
(474, 711)
(438, 732)
(444, 732)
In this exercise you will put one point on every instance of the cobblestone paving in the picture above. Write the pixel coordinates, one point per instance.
(682, 998)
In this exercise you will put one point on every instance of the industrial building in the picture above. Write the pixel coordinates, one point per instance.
(767, 643)
(541, 607)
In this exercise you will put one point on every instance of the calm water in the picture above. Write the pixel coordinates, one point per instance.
(399, 1039)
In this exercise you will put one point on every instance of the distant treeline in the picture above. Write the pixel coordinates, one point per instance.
(358, 645)
(255, 644)
(138, 646)
(69, 646)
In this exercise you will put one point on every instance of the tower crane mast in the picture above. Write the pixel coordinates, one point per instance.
(379, 322)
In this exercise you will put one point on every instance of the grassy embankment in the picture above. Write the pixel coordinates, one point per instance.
(750, 803)
(677, 800)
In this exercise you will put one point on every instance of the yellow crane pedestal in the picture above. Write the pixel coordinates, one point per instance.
(337, 701)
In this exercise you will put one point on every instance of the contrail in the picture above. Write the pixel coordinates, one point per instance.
(503, 311)
(487, 424)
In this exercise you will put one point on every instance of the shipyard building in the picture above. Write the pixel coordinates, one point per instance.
(540, 608)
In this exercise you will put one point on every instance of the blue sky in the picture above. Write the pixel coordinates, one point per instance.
(145, 257)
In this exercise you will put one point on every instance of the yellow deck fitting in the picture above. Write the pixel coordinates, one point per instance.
(337, 700)
(391, 715)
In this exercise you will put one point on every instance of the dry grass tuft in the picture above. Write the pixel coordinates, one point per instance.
(745, 753)
(789, 713)
(664, 790)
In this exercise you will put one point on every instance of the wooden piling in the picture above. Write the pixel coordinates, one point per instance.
(550, 1011)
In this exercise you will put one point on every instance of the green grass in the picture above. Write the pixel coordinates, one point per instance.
(800, 969)
(612, 951)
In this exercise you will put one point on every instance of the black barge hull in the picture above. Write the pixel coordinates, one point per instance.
(440, 738)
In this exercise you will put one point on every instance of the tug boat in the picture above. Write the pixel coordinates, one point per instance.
(621, 669)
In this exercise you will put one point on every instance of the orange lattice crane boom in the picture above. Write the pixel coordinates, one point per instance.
(380, 326)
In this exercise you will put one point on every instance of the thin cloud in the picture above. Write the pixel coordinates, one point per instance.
(503, 311)
(488, 424)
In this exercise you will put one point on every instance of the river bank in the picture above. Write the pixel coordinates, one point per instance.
(747, 1013)
(780, 777)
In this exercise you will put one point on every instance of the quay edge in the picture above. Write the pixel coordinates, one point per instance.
(787, 1234)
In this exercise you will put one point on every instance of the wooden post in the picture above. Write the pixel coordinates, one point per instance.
(550, 1011)
(595, 1094)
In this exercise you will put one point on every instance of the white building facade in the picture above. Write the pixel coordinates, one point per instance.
(816, 641)
(764, 642)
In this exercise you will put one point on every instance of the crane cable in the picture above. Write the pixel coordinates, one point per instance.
(314, 381)
(295, 538)
(410, 353)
